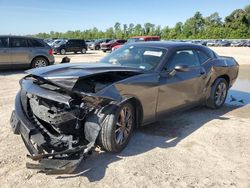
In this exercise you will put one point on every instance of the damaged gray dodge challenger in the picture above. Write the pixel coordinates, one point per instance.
(63, 111)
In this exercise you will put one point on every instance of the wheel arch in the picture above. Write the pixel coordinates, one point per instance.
(138, 110)
(226, 77)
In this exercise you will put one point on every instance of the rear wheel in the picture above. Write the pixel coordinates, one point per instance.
(83, 51)
(117, 128)
(218, 95)
(39, 62)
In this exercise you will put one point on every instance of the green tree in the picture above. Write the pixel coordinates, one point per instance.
(235, 25)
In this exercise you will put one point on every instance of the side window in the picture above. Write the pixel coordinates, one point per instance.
(83, 42)
(183, 57)
(77, 43)
(18, 42)
(148, 39)
(34, 43)
(202, 56)
(3, 42)
(70, 42)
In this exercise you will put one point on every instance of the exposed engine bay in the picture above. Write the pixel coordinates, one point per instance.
(67, 122)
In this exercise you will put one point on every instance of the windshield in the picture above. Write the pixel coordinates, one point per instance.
(59, 42)
(141, 57)
(135, 40)
(110, 41)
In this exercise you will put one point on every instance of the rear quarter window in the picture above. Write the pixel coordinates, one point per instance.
(203, 57)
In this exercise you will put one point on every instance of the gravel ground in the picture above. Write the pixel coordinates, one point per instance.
(198, 148)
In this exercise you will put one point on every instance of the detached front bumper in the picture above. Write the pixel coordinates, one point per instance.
(22, 126)
(50, 163)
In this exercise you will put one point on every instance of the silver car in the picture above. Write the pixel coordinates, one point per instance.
(17, 51)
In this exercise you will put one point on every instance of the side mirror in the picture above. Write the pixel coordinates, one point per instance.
(181, 68)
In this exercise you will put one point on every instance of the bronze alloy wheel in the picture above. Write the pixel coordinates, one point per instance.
(124, 125)
(220, 94)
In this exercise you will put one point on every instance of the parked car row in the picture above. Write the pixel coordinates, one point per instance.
(104, 44)
(222, 43)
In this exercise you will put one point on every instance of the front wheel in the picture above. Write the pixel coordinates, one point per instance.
(218, 95)
(117, 128)
(62, 51)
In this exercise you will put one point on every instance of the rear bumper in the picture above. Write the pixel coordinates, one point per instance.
(51, 60)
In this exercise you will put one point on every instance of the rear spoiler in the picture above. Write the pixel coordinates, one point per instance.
(229, 60)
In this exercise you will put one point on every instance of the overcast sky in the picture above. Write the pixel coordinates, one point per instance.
(33, 16)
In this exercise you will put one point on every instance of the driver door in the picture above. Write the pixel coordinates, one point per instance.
(181, 89)
(70, 46)
(5, 56)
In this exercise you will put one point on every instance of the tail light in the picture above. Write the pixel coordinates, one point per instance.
(51, 51)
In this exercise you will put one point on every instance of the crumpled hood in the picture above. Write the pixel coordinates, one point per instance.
(66, 75)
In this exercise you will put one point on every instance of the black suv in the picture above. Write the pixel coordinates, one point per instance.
(70, 45)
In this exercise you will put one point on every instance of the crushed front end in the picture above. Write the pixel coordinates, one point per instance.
(51, 122)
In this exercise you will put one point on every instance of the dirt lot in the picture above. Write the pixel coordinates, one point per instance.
(199, 148)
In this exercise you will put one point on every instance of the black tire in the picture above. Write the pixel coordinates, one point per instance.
(83, 51)
(109, 135)
(104, 51)
(39, 62)
(97, 48)
(215, 100)
(75, 52)
(62, 51)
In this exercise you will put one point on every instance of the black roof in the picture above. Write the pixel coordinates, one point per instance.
(171, 45)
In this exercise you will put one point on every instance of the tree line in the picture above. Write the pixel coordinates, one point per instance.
(235, 26)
